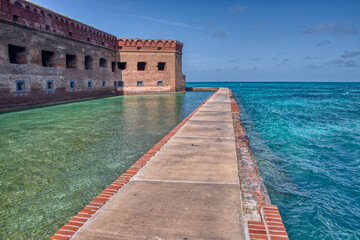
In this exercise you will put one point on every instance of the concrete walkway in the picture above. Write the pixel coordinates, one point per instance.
(189, 190)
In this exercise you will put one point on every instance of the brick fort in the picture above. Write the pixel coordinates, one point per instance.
(46, 57)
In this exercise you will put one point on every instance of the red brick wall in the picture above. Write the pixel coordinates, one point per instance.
(150, 45)
(270, 228)
(33, 15)
(151, 75)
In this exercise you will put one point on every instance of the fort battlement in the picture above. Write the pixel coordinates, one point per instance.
(46, 57)
(29, 14)
(130, 44)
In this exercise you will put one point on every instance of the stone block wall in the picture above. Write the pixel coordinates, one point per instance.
(47, 57)
(36, 70)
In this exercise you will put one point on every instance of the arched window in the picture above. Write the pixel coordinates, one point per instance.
(18, 5)
(88, 62)
(102, 62)
(35, 13)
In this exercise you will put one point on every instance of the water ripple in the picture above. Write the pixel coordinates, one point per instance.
(306, 139)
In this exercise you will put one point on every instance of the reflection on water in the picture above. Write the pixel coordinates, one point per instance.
(54, 160)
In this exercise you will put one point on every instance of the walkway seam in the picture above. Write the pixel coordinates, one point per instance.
(67, 231)
(191, 182)
(205, 137)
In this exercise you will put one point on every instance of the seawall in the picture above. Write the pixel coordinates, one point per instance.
(199, 182)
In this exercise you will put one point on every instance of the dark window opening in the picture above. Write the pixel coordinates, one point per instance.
(47, 27)
(89, 84)
(72, 85)
(161, 66)
(113, 64)
(88, 39)
(115, 83)
(102, 62)
(70, 61)
(120, 83)
(70, 34)
(104, 84)
(138, 48)
(160, 83)
(20, 86)
(17, 54)
(50, 85)
(122, 65)
(139, 84)
(88, 62)
(159, 48)
(102, 43)
(15, 18)
(141, 66)
(47, 58)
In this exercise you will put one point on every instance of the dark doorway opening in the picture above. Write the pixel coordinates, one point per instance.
(70, 61)
(113, 66)
(48, 58)
(122, 65)
(161, 66)
(141, 66)
(17, 54)
(88, 62)
(102, 62)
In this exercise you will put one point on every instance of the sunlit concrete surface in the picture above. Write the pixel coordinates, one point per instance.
(189, 190)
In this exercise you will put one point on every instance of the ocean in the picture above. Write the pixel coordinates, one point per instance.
(306, 140)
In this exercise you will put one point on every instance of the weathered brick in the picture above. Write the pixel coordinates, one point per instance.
(57, 237)
(258, 236)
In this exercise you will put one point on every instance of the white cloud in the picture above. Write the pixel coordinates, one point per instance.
(177, 24)
(334, 29)
(350, 54)
(236, 8)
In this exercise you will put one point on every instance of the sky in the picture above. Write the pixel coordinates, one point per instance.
(257, 40)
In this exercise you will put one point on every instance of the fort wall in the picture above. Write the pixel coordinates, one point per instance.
(163, 64)
(46, 57)
(32, 15)
(68, 82)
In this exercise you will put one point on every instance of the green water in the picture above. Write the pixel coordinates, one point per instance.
(54, 160)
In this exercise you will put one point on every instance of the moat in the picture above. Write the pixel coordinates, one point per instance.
(54, 160)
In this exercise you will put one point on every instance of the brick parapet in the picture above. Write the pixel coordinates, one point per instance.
(199, 89)
(254, 192)
(135, 44)
(271, 227)
(32, 15)
(263, 219)
(75, 223)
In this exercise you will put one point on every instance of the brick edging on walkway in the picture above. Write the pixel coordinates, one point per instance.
(263, 219)
(75, 223)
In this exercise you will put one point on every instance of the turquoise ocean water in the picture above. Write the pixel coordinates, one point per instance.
(55, 160)
(306, 140)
